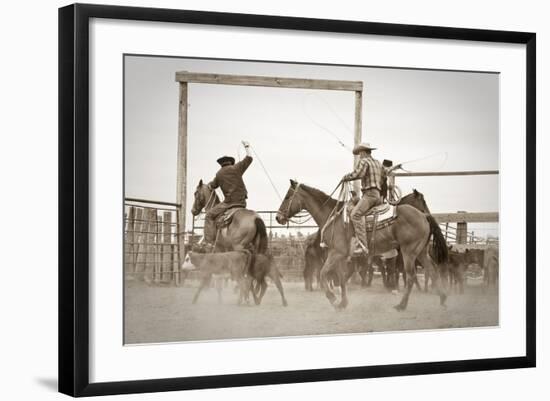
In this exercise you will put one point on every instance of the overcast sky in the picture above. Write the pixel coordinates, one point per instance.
(408, 114)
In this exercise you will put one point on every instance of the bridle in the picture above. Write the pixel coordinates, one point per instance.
(210, 200)
(286, 214)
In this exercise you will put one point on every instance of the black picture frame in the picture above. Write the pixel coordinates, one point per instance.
(74, 200)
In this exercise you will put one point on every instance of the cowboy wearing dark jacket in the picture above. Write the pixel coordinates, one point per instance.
(230, 179)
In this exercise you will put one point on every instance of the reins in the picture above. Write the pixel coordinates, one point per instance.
(294, 191)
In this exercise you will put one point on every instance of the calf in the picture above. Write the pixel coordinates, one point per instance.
(221, 265)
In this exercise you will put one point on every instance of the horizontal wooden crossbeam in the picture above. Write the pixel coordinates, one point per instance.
(446, 173)
(273, 82)
(465, 217)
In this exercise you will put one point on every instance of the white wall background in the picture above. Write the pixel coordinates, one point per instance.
(28, 164)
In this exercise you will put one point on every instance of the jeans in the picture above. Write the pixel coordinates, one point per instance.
(212, 215)
(371, 197)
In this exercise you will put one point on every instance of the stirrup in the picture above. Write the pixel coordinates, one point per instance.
(323, 244)
(361, 249)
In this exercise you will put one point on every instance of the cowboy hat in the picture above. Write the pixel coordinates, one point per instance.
(362, 146)
(226, 160)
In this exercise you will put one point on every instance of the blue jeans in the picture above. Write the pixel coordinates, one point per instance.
(371, 197)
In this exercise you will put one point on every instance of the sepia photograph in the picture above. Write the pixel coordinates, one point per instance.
(269, 199)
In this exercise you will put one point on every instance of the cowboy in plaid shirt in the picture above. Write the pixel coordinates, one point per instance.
(372, 175)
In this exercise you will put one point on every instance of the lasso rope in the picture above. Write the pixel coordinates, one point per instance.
(267, 174)
(425, 158)
(321, 126)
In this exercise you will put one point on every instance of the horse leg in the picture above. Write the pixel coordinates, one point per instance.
(259, 291)
(426, 279)
(307, 280)
(432, 271)
(244, 287)
(219, 287)
(204, 282)
(409, 271)
(327, 268)
(341, 277)
(370, 271)
(308, 274)
(363, 275)
(351, 266)
(416, 282)
(275, 275)
(461, 272)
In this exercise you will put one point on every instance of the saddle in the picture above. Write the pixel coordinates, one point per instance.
(382, 215)
(224, 219)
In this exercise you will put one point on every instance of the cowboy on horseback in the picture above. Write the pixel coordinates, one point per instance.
(230, 179)
(372, 175)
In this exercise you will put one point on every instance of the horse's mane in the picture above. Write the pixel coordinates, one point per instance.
(320, 195)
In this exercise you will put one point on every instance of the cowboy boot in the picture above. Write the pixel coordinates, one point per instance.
(360, 236)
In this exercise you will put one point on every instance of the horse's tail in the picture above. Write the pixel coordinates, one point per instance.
(441, 252)
(261, 236)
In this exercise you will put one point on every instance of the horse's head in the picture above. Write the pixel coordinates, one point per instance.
(416, 199)
(291, 205)
(202, 196)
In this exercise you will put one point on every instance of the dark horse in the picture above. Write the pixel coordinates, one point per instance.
(410, 232)
(246, 231)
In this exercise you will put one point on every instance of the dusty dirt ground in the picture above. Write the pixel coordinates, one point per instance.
(162, 313)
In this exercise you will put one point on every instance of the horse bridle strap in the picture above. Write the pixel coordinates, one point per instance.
(210, 198)
(287, 213)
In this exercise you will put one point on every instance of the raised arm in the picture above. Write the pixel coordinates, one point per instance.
(244, 163)
(214, 183)
(359, 171)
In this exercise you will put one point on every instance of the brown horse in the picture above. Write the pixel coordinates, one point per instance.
(246, 231)
(410, 232)
(440, 254)
(390, 268)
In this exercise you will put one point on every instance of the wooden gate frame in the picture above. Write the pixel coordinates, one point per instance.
(185, 78)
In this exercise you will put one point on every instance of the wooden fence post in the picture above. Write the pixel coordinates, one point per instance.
(357, 130)
(149, 244)
(181, 185)
(158, 247)
(166, 240)
(141, 246)
(129, 240)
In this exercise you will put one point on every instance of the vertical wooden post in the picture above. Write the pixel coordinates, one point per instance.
(181, 187)
(446, 231)
(357, 131)
(127, 251)
(158, 247)
(180, 249)
(461, 232)
(137, 237)
(141, 264)
(174, 260)
(130, 239)
(148, 271)
(167, 239)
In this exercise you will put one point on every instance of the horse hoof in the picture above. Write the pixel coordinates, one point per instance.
(399, 307)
